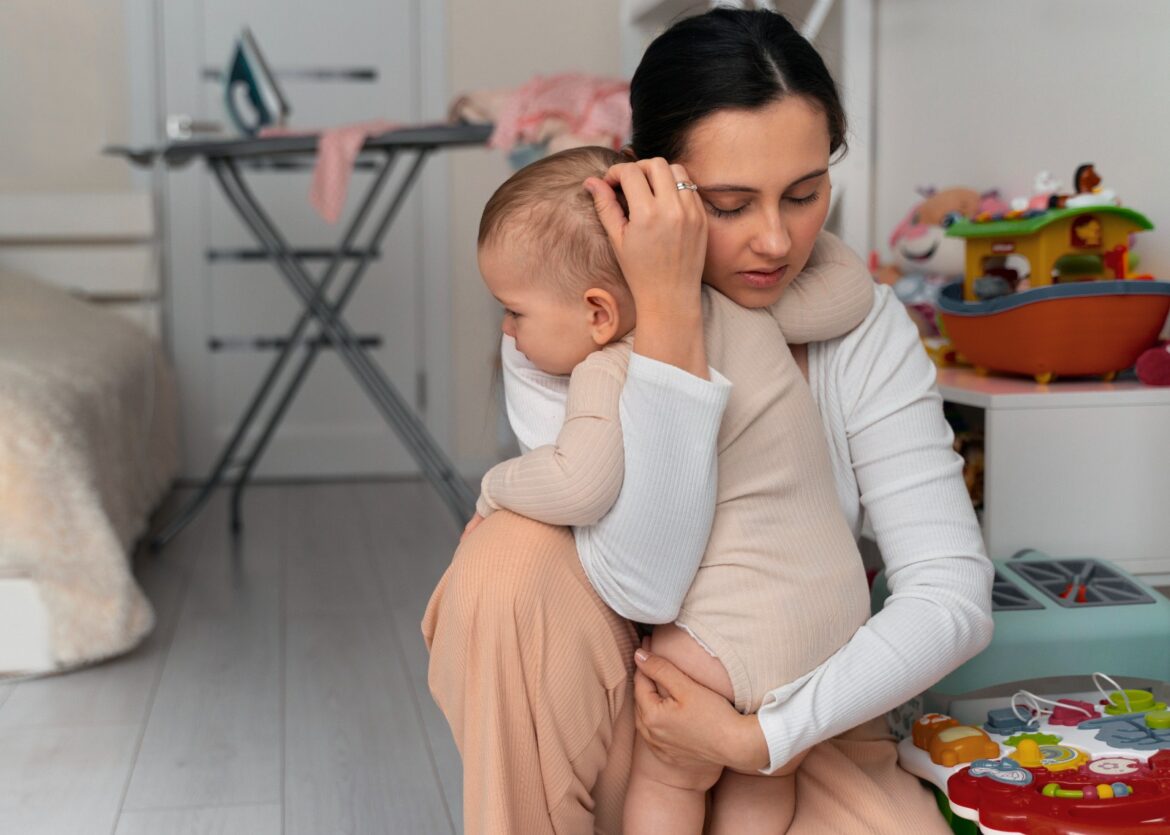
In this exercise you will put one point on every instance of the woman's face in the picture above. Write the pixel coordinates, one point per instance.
(764, 179)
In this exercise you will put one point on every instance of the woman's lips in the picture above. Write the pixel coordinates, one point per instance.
(761, 280)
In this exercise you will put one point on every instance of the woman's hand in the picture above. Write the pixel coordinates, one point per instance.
(687, 724)
(661, 246)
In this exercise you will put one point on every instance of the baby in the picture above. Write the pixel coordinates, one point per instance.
(779, 538)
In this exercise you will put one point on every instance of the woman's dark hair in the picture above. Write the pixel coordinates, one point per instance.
(726, 58)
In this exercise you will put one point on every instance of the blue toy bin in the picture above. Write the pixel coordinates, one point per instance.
(1057, 617)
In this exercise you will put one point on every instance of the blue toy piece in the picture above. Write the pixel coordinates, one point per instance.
(1005, 721)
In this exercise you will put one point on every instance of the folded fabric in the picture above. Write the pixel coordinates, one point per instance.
(563, 111)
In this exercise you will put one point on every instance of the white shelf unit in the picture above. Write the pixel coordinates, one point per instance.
(1073, 468)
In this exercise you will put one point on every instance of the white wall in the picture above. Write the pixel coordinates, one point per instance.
(502, 44)
(63, 95)
(989, 93)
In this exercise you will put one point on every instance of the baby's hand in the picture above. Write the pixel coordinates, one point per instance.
(471, 525)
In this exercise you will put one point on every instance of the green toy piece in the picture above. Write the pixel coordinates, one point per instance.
(1039, 739)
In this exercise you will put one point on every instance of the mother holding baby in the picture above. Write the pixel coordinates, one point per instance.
(539, 670)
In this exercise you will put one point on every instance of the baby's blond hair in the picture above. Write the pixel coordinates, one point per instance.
(545, 208)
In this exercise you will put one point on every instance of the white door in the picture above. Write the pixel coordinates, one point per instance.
(336, 63)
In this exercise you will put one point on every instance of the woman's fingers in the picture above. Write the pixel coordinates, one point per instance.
(663, 181)
(609, 209)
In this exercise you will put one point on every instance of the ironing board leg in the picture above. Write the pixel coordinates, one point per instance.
(355, 275)
(434, 463)
(227, 456)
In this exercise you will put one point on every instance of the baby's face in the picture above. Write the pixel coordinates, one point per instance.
(552, 331)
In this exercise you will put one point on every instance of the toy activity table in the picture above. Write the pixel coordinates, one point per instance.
(224, 158)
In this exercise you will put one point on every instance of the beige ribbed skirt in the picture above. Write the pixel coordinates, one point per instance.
(533, 672)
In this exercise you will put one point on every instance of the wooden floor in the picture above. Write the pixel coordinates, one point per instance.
(283, 690)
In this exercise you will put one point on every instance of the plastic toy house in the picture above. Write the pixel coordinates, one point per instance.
(1079, 313)
(1048, 238)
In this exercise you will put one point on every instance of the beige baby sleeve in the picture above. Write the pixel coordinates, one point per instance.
(576, 480)
(829, 298)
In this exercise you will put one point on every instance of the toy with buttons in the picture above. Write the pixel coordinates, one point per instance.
(1078, 768)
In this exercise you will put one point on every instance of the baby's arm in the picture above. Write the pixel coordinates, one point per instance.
(829, 298)
(576, 480)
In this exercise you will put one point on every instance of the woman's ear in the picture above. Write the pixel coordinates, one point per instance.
(604, 315)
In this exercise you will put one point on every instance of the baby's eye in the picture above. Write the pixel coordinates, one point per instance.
(511, 313)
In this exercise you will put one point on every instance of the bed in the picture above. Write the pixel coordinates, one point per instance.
(88, 447)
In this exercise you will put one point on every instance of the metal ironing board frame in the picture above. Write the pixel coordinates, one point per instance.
(223, 157)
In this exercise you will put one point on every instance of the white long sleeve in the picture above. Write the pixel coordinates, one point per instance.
(642, 556)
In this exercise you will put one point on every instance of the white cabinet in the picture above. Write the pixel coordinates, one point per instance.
(1072, 468)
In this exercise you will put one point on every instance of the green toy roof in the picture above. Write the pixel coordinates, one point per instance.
(1026, 226)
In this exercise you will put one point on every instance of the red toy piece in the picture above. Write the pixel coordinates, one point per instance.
(1065, 712)
(1128, 797)
(1153, 366)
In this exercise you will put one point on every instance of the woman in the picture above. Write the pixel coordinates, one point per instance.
(533, 664)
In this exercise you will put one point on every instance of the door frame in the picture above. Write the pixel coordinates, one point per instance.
(146, 79)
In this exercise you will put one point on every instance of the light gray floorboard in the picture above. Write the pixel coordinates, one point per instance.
(221, 820)
(63, 780)
(214, 733)
(329, 552)
(416, 539)
(117, 691)
(283, 689)
(356, 758)
(366, 764)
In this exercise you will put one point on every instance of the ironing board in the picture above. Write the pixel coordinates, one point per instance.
(223, 157)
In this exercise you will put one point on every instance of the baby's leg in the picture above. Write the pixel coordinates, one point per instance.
(752, 804)
(663, 797)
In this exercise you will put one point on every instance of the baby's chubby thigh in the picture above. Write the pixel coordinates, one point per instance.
(680, 648)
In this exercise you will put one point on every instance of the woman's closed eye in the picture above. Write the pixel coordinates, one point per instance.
(804, 199)
(720, 211)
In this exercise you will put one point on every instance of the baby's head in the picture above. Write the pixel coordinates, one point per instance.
(545, 257)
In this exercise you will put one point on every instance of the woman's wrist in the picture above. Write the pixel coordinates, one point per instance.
(672, 333)
(748, 747)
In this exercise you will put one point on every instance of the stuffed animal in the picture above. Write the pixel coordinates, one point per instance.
(924, 258)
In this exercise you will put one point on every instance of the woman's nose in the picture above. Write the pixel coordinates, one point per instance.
(771, 239)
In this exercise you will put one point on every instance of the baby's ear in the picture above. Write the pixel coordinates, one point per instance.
(604, 315)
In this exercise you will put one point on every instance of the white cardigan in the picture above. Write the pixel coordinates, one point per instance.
(891, 453)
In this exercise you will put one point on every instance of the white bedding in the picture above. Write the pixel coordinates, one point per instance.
(88, 446)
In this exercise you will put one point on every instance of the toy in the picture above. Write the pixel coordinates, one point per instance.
(1076, 309)
(1121, 625)
(1153, 366)
(924, 258)
(1083, 785)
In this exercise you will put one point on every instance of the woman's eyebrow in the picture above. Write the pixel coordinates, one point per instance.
(730, 187)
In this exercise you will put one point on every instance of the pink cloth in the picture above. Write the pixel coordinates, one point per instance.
(337, 150)
(565, 110)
